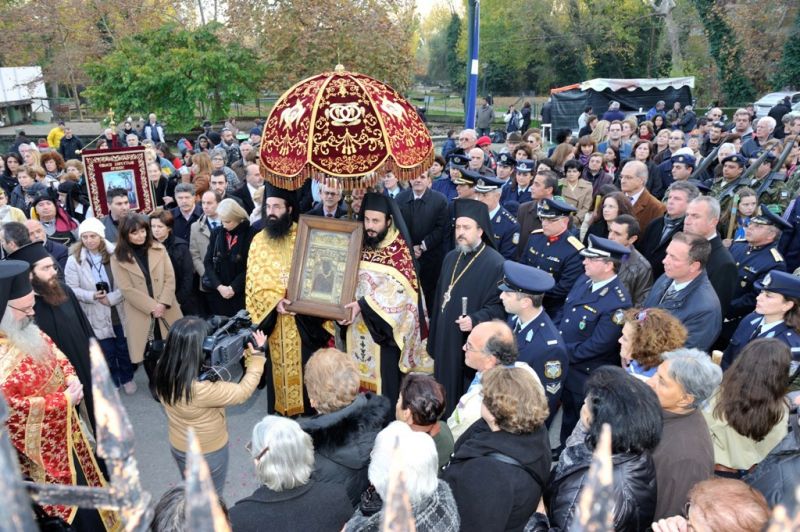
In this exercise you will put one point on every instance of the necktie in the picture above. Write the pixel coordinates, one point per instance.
(671, 291)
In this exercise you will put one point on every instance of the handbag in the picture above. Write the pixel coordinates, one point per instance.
(154, 348)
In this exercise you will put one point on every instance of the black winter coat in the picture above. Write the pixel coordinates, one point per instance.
(316, 506)
(492, 495)
(178, 251)
(227, 267)
(776, 475)
(343, 441)
(634, 492)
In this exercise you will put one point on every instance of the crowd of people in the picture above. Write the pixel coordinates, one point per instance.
(510, 302)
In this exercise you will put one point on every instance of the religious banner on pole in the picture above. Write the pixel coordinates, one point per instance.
(119, 168)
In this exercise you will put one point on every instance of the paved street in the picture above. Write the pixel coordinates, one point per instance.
(158, 469)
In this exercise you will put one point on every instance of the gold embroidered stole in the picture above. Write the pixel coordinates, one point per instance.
(268, 266)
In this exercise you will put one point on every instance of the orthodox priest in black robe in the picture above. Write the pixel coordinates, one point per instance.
(385, 334)
(466, 295)
(59, 315)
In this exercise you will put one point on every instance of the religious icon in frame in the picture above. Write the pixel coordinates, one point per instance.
(324, 267)
(119, 168)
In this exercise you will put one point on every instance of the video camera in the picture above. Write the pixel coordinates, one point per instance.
(226, 344)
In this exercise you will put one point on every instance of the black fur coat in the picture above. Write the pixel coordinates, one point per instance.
(343, 441)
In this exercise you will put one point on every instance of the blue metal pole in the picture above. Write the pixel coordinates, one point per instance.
(472, 63)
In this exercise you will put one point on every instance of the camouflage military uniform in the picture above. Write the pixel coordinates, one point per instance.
(773, 192)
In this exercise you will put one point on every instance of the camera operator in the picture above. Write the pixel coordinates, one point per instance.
(190, 402)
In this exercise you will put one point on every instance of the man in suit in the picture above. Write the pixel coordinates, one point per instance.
(329, 207)
(685, 291)
(591, 324)
(544, 186)
(200, 235)
(252, 181)
(186, 213)
(539, 343)
(657, 235)
(646, 207)
(425, 213)
(702, 217)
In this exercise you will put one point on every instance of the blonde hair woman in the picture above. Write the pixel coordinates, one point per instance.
(226, 259)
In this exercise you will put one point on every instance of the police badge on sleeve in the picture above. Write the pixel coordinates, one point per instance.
(552, 369)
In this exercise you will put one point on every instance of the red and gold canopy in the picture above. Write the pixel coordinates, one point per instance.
(346, 125)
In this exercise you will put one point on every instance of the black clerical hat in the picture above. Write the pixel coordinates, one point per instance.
(376, 202)
(479, 212)
(271, 191)
(14, 282)
(30, 253)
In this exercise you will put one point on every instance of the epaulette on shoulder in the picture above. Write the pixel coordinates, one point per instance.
(509, 216)
(776, 255)
(537, 232)
(575, 242)
(620, 293)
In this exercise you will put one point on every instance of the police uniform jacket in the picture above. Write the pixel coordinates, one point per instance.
(590, 330)
(541, 346)
(753, 265)
(560, 257)
(513, 193)
(750, 329)
(697, 306)
(506, 233)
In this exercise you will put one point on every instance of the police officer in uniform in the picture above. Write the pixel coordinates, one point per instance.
(455, 162)
(505, 228)
(514, 192)
(781, 326)
(555, 250)
(505, 169)
(755, 257)
(591, 324)
(539, 343)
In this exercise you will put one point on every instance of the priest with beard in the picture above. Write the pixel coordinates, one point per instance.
(387, 325)
(60, 316)
(292, 338)
(467, 294)
(41, 389)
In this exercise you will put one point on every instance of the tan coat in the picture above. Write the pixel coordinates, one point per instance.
(580, 198)
(138, 304)
(206, 412)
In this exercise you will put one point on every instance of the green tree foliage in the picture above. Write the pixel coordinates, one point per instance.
(724, 49)
(456, 63)
(169, 70)
(788, 73)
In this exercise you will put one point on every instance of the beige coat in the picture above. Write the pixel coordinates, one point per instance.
(138, 304)
(199, 238)
(580, 198)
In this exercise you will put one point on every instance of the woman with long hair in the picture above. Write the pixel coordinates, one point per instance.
(777, 315)
(611, 162)
(563, 153)
(585, 148)
(612, 205)
(658, 123)
(88, 273)
(226, 259)
(748, 414)
(646, 334)
(163, 150)
(191, 400)
(161, 222)
(12, 162)
(600, 133)
(144, 274)
(661, 142)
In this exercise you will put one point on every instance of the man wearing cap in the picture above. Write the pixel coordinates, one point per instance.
(56, 305)
(685, 291)
(520, 189)
(770, 321)
(659, 233)
(255, 138)
(42, 391)
(505, 228)
(538, 340)
(425, 213)
(682, 167)
(725, 189)
(633, 178)
(58, 224)
(770, 186)
(590, 325)
(292, 338)
(543, 186)
(446, 184)
(466, 295)
(384, 333)
(755, 256)
(330, 206)
(555, 250)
